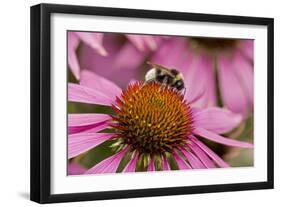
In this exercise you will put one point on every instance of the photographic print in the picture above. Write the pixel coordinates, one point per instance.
(144, 103)
(132, 103)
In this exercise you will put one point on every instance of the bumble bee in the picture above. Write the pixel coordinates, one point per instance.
(165, 76)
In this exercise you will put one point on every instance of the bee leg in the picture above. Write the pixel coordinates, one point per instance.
(184, 90)
(166, 80)
(147, 82)
(164, 83)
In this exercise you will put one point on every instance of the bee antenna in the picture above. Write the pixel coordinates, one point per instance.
(184, 90)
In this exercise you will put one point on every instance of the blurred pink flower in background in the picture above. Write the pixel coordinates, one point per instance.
(93, 40)
(185, 125)
(114, 56)
(211, 65)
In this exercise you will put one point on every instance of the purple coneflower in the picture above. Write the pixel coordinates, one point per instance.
(214, 64)
(153, 124)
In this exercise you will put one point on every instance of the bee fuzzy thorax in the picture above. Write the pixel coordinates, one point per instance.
(165, 76)
(150, 75)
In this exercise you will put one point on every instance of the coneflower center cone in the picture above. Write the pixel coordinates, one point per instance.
(152, 118)
(214, 45)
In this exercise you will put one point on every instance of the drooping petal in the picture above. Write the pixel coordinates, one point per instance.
(84, 141)
(94, 40)
(181, 163)
(132, 82)
(81, 122)
(165, 164)
(199, 81)
(137, 41)
(86, 119)
(245, 73)
(89, 128)
(193, 160)
(131, 165)
(142, 42)
(216, 119)
(210, 84)
(150, 42)
(220, 139)
(72, 44)
(247, 48)
(232, 92)
(74, 168)
(151, 166)
(210, 153)
(108, 165)
(194, 99)
(202, 156)
(83, 94)
(99, 83)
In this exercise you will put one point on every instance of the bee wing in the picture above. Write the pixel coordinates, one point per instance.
(162, 68)
(158, 66)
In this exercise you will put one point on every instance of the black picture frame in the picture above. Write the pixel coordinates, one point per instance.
(41, 98)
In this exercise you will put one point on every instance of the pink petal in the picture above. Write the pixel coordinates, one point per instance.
(86, 119)
(137, 41)
(213, 155)
(165, 164)
(109, 67)
(81, 122)
(94, 40)
(73, 64)
(89, 128)
(150, 42)
(84, 141)
(247, 48)
(83, 94)
(108, 165)
(210, 85)
(199, 81)
(131, 165)
(142, 42)
(132, 82)
(231, 88)
(175, 49)
(244, 72)
(128, 57)
(151, 166)
(73, 40)
(98, 83)
(220, 139)
(72, 44)
(181, 164)
(75, 169)
(202, 156)
(193, 160)
(217, 120)
(196, 98)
